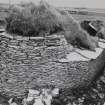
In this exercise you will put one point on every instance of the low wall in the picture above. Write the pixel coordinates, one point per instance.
(29, 62)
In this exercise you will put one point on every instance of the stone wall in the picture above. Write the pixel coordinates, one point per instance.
(29, 62)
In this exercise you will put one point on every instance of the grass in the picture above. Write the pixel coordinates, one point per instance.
(31, 20)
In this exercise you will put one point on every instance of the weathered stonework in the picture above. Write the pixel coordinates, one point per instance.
(28, 62)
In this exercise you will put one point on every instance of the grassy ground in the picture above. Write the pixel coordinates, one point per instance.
(88, 17)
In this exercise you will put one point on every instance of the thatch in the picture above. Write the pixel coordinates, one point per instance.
(31, 20)
(38, 20)
(74, 34)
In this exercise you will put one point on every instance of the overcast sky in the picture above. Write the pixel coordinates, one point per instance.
(68, 3)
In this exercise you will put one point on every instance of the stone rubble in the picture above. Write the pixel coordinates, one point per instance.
(42, 97)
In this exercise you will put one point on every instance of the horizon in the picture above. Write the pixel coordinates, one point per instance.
(69, 3)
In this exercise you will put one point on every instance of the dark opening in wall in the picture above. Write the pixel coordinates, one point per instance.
(86, 25)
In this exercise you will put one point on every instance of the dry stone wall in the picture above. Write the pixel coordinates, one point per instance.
(29, 62)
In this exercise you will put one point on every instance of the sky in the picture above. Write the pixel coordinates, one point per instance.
(68, 3)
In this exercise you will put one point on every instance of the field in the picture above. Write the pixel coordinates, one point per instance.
(20, 56)
(88, 17)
